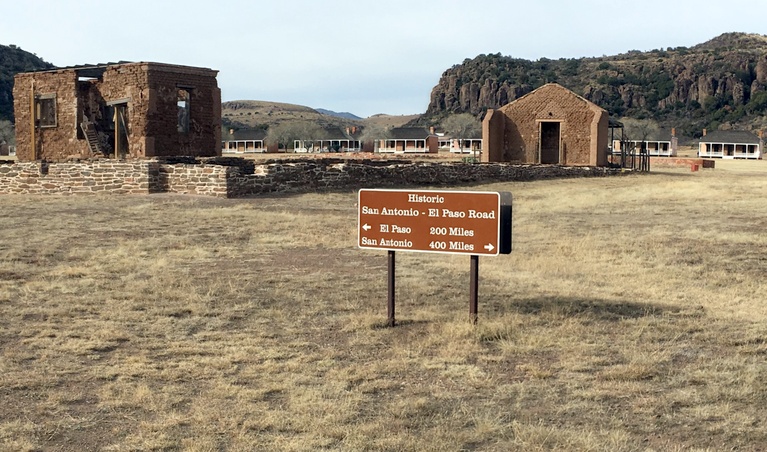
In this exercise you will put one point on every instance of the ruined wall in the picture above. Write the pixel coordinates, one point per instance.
(324, 174)
(204, 136)
(53, 143)
(492, 137)
(129, 82)
(150, 93)
(583, 127)
(238, 177)
(71, 178)
(599, 139)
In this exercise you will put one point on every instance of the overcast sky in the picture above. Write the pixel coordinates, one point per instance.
(364, 57)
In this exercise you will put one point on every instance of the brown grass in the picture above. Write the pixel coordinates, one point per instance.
(628, 317)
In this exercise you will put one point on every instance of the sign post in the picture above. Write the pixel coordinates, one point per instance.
(438, 221)
(390, 297)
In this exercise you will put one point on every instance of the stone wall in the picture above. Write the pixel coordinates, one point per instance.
(234, 177)
(204, 135)
(318, 175)
(148, 96)
(71, 178)
(49, 142)
(105, 176)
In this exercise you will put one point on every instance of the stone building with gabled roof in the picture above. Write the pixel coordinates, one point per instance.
(550, 125)
(117, 110)
(730, 144)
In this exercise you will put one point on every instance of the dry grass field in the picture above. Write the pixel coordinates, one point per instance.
(629, 317)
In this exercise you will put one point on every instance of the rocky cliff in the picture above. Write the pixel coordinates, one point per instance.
(721, 83)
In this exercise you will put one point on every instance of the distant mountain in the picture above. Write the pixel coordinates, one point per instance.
(345, 115)
(721, 83)
(12, 61)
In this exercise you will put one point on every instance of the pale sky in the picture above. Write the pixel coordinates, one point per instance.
(363, 57)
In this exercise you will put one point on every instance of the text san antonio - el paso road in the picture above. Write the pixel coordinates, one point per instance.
(435, 221)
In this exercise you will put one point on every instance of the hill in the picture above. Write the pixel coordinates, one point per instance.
(12, 61)
(254, 114)
(721, 83)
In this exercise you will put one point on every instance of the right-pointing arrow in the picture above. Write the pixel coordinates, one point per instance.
(489, 247)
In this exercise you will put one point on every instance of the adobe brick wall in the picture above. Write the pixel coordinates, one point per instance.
(233, 177)
(511, 133)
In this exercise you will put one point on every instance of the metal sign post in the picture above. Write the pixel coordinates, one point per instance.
(440, 221)
(390, 297)
(474, 290)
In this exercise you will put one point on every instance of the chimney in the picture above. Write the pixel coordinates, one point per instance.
(704, 132)
(231, 131)
(431, 130)
(673, 131)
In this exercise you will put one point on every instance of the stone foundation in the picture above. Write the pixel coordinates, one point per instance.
(235, 177)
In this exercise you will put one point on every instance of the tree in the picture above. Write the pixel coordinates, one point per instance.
(461, 127)
(286, 133)
(375, 133)
(309, 133)
(640, 129)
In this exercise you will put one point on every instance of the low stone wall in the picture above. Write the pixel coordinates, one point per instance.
(235, 177)
(71, 178)
(324, 174)
(100, 176)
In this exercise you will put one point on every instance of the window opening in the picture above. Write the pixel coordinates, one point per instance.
(183, 110)
(45, 110)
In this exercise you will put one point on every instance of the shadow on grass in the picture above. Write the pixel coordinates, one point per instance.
(598, 309)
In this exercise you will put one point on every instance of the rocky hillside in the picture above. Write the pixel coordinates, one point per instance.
(721, 83)
(12, 61)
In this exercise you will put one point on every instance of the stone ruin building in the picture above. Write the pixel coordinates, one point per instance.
(550, 125)
(121, 111)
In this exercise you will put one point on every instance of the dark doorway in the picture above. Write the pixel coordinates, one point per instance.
(549, 142)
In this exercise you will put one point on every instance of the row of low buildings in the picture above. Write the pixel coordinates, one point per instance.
(724, 144)
(139, 110)
(400, 140)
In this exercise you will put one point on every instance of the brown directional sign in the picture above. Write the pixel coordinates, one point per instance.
(443, 221)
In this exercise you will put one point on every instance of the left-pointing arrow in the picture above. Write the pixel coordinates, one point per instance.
(366, 227)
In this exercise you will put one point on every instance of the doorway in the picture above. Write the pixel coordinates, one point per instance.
(121, 130)
(549, 142)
